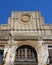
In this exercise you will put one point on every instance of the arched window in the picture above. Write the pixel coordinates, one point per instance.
(26, 54)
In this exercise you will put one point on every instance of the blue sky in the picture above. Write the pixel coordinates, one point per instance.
(7, 6)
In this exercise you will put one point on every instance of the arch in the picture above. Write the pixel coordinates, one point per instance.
(28, 43)
(28, 53)
(29, 47)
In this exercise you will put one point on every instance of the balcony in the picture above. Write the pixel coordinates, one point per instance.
(25, 63)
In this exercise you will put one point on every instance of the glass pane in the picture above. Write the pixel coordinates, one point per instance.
(0, 58)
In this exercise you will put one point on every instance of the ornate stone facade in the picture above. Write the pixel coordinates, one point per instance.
(25, 28)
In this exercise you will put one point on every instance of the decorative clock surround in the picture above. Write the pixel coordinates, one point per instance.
(25, 18)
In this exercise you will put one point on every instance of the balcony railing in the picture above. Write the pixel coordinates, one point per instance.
(25, 63)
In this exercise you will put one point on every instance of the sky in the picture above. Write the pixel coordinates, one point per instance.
(7, 6)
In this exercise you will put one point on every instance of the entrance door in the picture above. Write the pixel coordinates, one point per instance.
(25, 55)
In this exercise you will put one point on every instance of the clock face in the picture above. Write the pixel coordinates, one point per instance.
(25, 18)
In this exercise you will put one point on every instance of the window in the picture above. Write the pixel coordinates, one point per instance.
(1, 55)
(50, 54)
(26, 53)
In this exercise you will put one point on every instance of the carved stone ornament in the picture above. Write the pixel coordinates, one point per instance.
(25, 18)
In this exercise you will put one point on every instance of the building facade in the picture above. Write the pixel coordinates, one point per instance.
(26, 40)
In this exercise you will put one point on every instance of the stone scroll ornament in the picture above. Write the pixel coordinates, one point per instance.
(4, 57)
